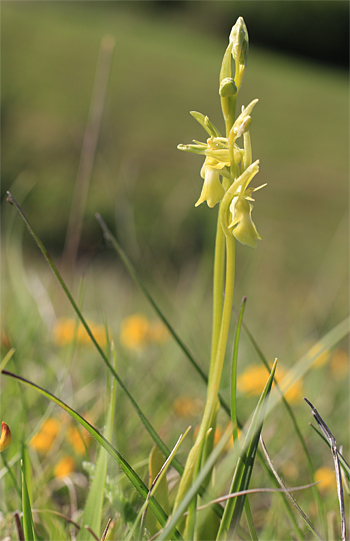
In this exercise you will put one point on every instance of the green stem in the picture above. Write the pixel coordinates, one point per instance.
(216, 372)
(218, 291)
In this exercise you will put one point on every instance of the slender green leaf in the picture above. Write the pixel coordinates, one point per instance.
(234, 372)
(157, 482)
(28, 524)
(92, 515)
(127, 469)
(245, 463)
(250, 522)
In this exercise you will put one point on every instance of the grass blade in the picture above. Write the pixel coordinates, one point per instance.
(127, 469)
(244, 467)
(343, 463)
(328, 341)
(28, 524)
(156, 483)
(331, 440)
(130, 268)
(157, 440)
(195, 488)
(288, 494)
(92, 515)
(234, 372)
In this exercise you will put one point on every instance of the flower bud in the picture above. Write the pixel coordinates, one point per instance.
(227, 87)
(6, 436)
(240, 42)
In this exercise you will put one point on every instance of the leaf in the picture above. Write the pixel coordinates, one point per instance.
(195, 488)
(28, 524)
(92, 515)
(245, 463)
(127, 469)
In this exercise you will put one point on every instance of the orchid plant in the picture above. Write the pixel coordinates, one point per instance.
(227, 171)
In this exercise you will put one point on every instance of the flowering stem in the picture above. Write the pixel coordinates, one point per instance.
(218, 360)
(218, 291)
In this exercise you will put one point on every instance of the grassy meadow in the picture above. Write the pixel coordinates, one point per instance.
(296, 281)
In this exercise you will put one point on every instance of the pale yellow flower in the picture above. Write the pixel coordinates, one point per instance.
(254, 378)
(327, 476)
(6, 436)
(212, 191)
(65, 328)
(64, 467)
(43, 440)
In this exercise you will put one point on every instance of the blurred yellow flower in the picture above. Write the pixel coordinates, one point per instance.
(79, 439)
(64, 332)
(64, 467)
(43, 440)
(187, 407)
(340, 363)
(321, 359)
(137, 331)
(6, 436)
(133, 332)
(254, 378)
(327, 476)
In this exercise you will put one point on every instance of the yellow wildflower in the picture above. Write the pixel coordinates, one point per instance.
(6, 436)
(64, 467)
(327, 476)
(43, 440)
(79, 440)
(65, 329)
(187, 407)
(340, 364)
(134, 332)
(254, 378)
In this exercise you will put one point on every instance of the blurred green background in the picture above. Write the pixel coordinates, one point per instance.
(166, 62)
